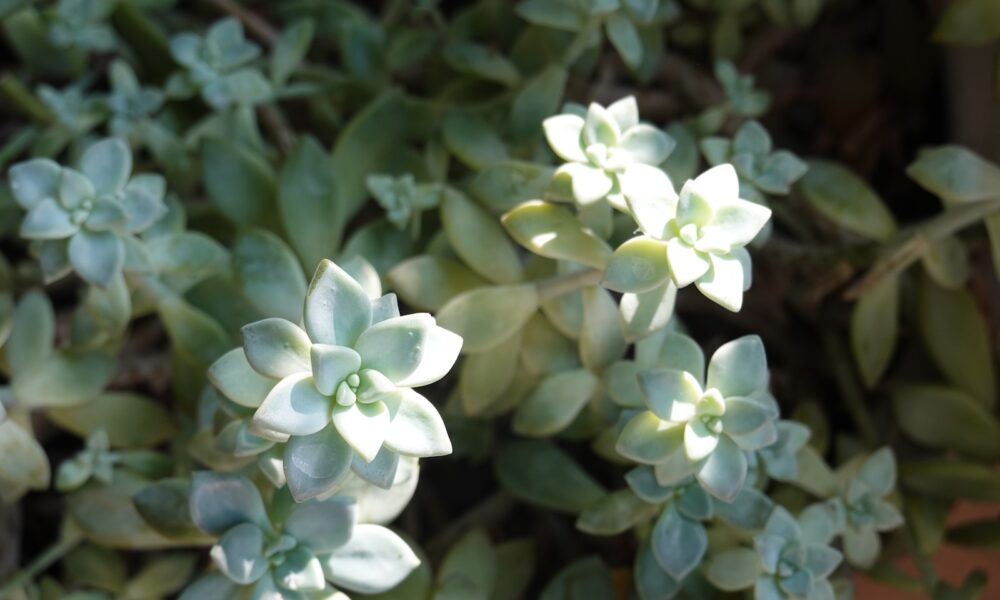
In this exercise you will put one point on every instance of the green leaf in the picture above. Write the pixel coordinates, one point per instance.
(538, 99)
(375, 560)
(969, 23)
(193, 332)
(552, 13)
(485, 377)
(601, 339)
(221, 501)
(555, 402)
(107, 164)
(364, 147)
(585, 579)
(32, 333)
(947, 419)
(184, 259)
(678, 543)
(337, 308)
(647, 312)
(504, 185)
(64, 379)
(955, 335)
(307, 201)
(955, 173)
(481, 61)
(96, 256)
(486, 317)
(541, 473)
(276, 348)
(472, 140)
(615, 513)
(847, 200)
(164, 506)
(162, 576)
(625, 38)
(469, 569)
(949, 478)
(479, 239)
(554, 232)
(733, 570)
(875, 329)
(108, 517)
(315, 464)
(240, 184)
(638, 265)
(290, 48)
(427, 282)
(25, 464)
(417, 428)
(130, 420)
(239, 554)
(516, 560)
(269, 275)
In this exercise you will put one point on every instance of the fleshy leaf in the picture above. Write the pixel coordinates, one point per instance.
(315, 464)
(417, 428)
(294, 407)
(221, 501)
(337, 309)
(374, 560)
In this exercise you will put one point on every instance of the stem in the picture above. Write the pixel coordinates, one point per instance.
(911, 248)
(260, 28)
(22, 98)
(850, 391)
(42, 562)
(276, 123)
(571, 282)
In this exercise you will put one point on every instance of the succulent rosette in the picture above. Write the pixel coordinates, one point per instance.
(338, 391)
(704, 426)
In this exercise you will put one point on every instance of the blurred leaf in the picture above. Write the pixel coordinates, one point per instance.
(947, 419)
(478, 238)
(469, 569)
(555, 402)
(538, 99)
(949, 478)
(486, 317)
(290, 49)
(615, 513)
(541, 473)
(875, 329)
(239, 183)
(516, 564)
(586, 579)
(129, 419)
(269, 275)
(485, 376)
(601, 339)
(307, 202)
(847, 200)
(955, 335)
(161, 576)
(427, 282)
(977, 534)
(969, 23)
(481, 61)
(473, 141)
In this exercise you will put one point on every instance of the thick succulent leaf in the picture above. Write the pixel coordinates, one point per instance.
(238, 381)
(34, 180)
(337, 308)
(47, 220)
(31, 333)
(316, 464)
(687, 265)
(699, 440)
(277, 348)
(648, 439)
(240, 554)
(488, 316)
(678, 543)
(410, 350)
(331, 365)
(294, 407)
(739, 367)
(374, 560)
(417, 428)
(301, 571)
(734, 569)
(269, 275)
(25, 465)
(97, 256)
(725, 281)
(670, 394)
(469, 569)
(615, 513)
(427, 282)
(555, 402)
(650, 198)
(647, 144)
(64, 379)
(724, 471)
(479, 240)
(222, 501)
(323, 525)
(541, 473)
(861, 546)
(554, 232)
(737, 223)
(107, 164)
(847, 200)
(638, 265)
(651, 581)
(879, 471)
(380, 472)
(363, 426)
(601, 339)
(565, 136)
